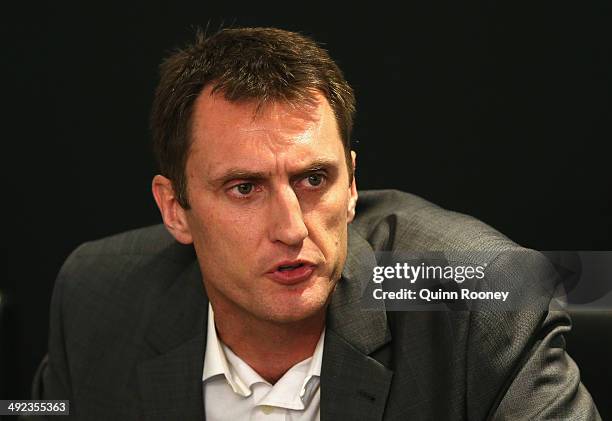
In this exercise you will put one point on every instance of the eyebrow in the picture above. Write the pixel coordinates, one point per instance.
(230, 174)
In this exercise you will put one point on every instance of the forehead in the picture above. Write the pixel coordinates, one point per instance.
(239, 133)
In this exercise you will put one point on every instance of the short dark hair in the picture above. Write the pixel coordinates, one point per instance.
(262, 64)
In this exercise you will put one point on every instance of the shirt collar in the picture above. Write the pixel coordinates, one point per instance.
(215, 361)
(315, 364)
(220, 360)
(314, 371)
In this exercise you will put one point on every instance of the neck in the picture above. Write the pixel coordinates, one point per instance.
(270, 348)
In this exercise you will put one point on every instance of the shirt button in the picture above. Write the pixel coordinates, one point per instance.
(267, 409)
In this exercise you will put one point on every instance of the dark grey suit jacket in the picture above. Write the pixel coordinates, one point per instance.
(128, 329)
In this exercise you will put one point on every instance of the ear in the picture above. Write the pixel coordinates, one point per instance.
(173, 214)
(352, 203)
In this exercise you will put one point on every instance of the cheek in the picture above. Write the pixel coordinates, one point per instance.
(222, 234)
(219, 217)
(327, 225)
(332, 239)
(334, 210)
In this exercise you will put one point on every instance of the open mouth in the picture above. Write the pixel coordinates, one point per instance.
(292, 272)
(285, 268)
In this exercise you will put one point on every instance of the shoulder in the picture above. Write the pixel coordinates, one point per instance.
(114, 302)
(398, 222)
(127, 251)
(115, 277)
(391, 220)
(407, 225)
(491, 340)
(142, 241)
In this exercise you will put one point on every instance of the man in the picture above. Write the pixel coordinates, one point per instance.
(252, 307)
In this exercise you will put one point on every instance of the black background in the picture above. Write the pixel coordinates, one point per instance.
(501, 110)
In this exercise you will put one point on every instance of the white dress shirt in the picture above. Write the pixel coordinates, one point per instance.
(234, 391)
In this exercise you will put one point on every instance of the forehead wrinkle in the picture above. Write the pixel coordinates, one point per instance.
(274, 154)
(286, 117)
(286, 127)
(278, 141)
(272, 135)
(297, 120)
(282, 167)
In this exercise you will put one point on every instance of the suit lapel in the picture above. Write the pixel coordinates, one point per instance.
(354, 386)
(171, 382)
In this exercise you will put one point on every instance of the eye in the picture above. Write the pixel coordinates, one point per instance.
(244, 188)
(315, 179)
(245, 191)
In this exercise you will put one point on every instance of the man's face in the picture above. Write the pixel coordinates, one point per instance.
(270, 198)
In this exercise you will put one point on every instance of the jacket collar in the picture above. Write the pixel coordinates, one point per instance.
(362, 325)
(171, 381)
(354, 332)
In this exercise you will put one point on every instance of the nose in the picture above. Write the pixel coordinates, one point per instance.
(287, 222)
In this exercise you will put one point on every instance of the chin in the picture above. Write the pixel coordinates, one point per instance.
(292, 311)
(296, 303)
